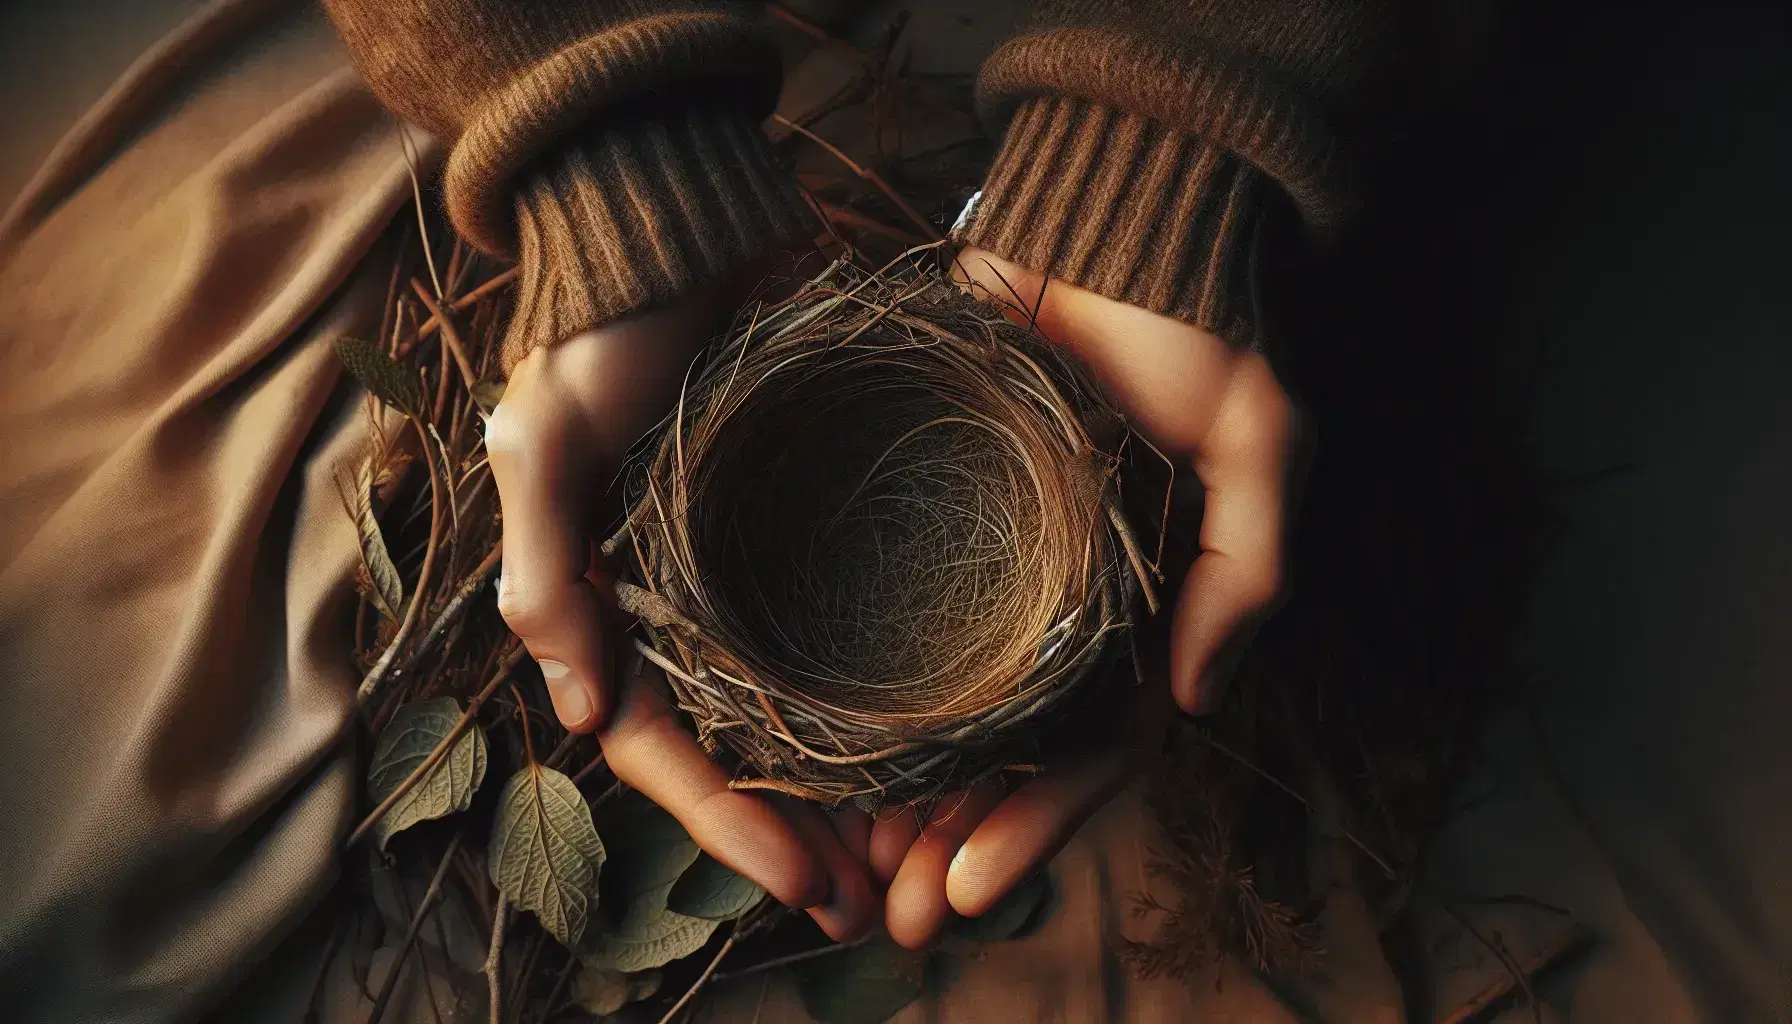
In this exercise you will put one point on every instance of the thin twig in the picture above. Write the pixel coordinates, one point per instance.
(437, 755)
(837, 214)
(561, 750)
(456, 605)
(410, 163)
(596, 763)
(702, 979)
(370, 684)
(521, 981)
(1573, 941)
(430, 896)
(472, 298)
(1517, 976)
(449, 333)
(1290, 790)
(494, 959)
(794, 958)
(811, 29)
(550, 1004)
(927, 229)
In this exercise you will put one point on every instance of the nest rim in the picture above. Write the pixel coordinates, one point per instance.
(741, 701)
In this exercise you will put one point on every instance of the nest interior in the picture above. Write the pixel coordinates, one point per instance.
(889, 538)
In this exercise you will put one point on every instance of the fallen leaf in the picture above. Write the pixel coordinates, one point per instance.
(387, 590)
(406, 742)
(673, 937)
(710, 889)
(649, 850)
(385, 379)
(868, 984)
(545, 854)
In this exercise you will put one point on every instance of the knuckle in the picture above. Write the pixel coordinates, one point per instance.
(522, 608)
(516, 430)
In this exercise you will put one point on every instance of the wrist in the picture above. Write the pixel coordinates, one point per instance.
(611, 384)
(1125, 207)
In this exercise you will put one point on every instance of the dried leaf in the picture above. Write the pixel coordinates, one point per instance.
(710, 890)
(545, 854)
(414, 732)
(1013, 915)
(386, 589)
(391, 474)
(384, 378)
(603, 992)
(868, 984)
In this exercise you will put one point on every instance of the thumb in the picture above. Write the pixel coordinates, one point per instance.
(544, 593)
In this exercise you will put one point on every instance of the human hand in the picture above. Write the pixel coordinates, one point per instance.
(568, 417)
(555, 441)
(1223, 413)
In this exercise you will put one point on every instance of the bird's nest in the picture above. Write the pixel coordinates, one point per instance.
(878, 545)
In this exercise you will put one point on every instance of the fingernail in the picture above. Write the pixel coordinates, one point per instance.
(959, 858)
(571, 702)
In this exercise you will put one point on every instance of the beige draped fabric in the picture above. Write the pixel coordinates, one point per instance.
(174, 554)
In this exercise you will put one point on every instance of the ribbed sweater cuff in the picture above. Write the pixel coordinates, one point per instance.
(1124, 206)
(637, 212)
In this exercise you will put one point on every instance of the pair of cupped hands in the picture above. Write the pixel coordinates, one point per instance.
(571, 412)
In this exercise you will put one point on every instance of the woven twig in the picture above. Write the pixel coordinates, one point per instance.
(878, 546)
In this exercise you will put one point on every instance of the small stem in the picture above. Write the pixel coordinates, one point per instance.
(596, 763)
(811, 29)
(702, 979)
(561, 750)
(456, 606)
(522, 718)
(494, 959)
(450, 335)
(794, 958)
(572, 964)
(440, 753)
(472, 298)
(522, 975)
(836, 214)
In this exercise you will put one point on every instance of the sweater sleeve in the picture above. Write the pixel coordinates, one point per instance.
(611, 147)
(1144, 140)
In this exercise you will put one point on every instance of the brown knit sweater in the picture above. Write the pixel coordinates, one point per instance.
(613, 147)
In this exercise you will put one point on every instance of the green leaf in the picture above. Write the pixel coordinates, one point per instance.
(407, 741)
(603, 992)
(385, 379)
(387, 593)
(545, 854)
(649, 850)
(710, 890)
(867, 984)
(673, 937)
(1016, 913)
